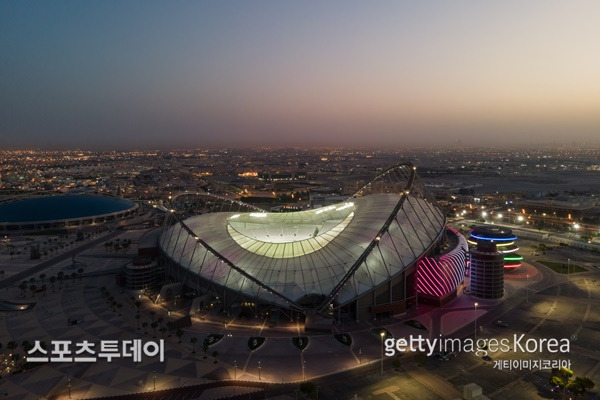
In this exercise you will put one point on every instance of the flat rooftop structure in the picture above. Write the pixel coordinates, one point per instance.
(562, 205)
(61, 211)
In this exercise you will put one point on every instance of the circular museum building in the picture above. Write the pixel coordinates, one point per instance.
(356, 259)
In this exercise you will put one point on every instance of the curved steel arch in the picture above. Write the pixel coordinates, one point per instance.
(177, 202)
(382, 231)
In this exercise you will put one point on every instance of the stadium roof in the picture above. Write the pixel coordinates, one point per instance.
(283, 257)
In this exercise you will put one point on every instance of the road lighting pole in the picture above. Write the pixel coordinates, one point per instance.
(527, 290)
(154, 376)
(569, 269)
(303, 370)
(69, 386)
(360, 356)
(475, 324)
(382, 335)
(234, 369)
(259, 370)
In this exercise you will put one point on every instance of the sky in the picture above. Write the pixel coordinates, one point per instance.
(176, 74)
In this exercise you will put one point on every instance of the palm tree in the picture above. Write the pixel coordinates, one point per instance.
(138, 304)
(23, 287)
(163, 330)
(60, 277)
(154, 325)
(52, 280)
(12, 345)
(145, 325)
(138, 316)
(26, 345)
(193, 341)
(179, 334)
(33, 289)
(152, 314)
(42, 276)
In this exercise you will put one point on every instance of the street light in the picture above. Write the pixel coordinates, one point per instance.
(475, 330)
(259, 370)
(154, 376)
(382, 334)
(303, 370)
(69, 386)
(569, 268)
(527, 290)
(234, 369)
(360, 355)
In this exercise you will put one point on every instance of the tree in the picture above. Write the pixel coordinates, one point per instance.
(52, 280)
(42, 277)
(26, 345)
(560, 379)
(163, 330)
(33, 288)
(179, 334)
(138, 304)
(80, 271)
(581, 385)
(193, 341)
(154, 325)
(138, 316)
(11, 345)
(60, 277)
(23, 287)
(145, 325)
(152, 314)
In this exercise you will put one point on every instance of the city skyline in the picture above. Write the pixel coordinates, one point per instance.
(114, 75)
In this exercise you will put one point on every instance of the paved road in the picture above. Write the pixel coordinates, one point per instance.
(19, 277)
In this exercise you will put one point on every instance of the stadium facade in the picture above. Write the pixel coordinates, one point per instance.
(354, 260)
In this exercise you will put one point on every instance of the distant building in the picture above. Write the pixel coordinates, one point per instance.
(560, 209)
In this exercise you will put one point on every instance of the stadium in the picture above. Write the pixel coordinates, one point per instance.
(357, 259)
(24, 212)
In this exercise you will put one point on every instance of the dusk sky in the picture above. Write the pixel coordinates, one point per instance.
(145, 74)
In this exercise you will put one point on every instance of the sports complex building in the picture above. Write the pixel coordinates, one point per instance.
(376, 254)
(27, 212)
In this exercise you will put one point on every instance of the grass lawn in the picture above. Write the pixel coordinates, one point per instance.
(562, 268)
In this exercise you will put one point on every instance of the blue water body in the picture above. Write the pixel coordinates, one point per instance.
(48, 208)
